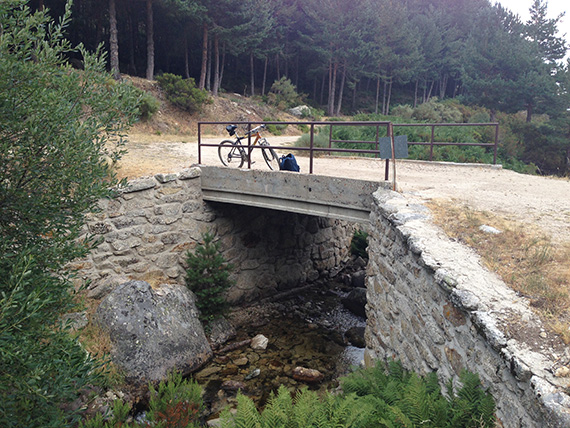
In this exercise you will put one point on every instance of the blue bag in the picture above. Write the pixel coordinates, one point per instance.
(288, 163)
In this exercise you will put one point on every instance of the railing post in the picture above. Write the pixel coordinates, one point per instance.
(311, 148)
(199, 145)
(330, 139)
(377, 141)
(249, 149)
(391, 128)
(431, 143)
(496, 144)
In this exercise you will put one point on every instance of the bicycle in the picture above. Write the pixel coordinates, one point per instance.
(233, 154)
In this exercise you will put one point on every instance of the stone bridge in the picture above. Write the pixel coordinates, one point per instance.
(431, 304)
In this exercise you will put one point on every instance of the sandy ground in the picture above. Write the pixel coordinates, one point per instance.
(540, 201)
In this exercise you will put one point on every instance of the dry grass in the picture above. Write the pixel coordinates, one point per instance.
(521, 255)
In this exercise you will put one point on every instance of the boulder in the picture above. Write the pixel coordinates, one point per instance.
(153, 332)
(355, 302)
(300, 111)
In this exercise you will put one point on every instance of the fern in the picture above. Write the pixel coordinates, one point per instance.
(380, 397)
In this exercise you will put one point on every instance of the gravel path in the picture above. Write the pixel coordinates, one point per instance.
(541, 201)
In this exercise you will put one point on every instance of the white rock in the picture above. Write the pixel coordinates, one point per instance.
(259, 342)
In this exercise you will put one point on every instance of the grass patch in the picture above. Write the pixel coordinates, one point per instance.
(524, 258)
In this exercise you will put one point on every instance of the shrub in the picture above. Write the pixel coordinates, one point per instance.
(59, 127)
(183, 92)
(437, 112)
(283, 94)
(148, 105)
(274, 129)
(207, 276)
(359, 244)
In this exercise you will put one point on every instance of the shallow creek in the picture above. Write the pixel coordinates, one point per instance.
(306, 329)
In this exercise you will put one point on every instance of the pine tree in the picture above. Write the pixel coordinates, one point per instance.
(208, 276)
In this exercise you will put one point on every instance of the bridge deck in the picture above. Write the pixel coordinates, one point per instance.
(332, 197)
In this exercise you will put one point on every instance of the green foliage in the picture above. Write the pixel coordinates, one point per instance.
(359, 244)
(320, 139)
(274, 129)
(183, 92)
(207, 276)
(41, 366)
(148, 105)
(283, 94)
(437, 112)
(60, 131)
(176, 404)
(372, 398)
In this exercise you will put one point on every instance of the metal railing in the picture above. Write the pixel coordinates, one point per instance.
(389, 126)
(433, 143)
(311, 149)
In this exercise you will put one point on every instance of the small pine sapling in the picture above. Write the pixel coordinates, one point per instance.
(208, 276)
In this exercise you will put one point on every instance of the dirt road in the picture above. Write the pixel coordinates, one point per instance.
(541, 201)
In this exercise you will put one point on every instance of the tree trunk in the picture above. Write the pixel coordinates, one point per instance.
(323, 89)
(277, 66)
(354, 95)
(216, 66)
(389, 97)
(149, 41)
(186, 56)
(264, 76)
(114, 40)
(384, 99)
(222, 66)
(203, 70)
(332, 88)
(377, 96)
(416, 94)
(341, 91)
(430, 90)
(251, 65)
(209, 67)
(528, 113)
(443, 86)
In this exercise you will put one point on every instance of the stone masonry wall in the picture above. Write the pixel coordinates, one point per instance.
(148, 228)
(434, 307)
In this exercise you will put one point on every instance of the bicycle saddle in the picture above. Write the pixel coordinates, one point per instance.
(231, 129)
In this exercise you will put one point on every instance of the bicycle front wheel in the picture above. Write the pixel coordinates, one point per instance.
(271, 158)
(231, 154)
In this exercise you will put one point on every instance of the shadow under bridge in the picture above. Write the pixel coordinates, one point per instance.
(322, 196)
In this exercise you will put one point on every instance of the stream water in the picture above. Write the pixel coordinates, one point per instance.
(309, 329)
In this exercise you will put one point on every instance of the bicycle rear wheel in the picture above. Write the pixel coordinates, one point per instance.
(231, 154)
(271, 158)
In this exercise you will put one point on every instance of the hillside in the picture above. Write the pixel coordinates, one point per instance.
(170, 120)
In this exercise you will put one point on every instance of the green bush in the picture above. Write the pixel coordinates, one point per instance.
(148, 105)
(183, 92)
(207, 276)
(274, 129)
(359, 244)
(59, 133)
(437, 112)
